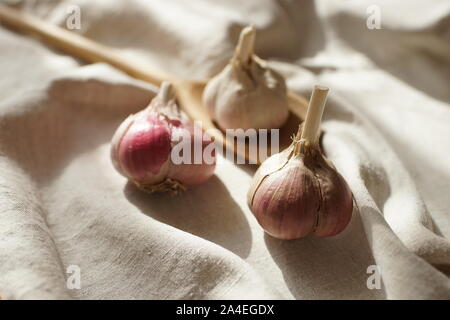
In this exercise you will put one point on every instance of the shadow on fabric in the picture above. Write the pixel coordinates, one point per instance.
(305, 264)
(216, 217)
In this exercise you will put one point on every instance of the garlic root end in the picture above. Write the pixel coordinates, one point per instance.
(171, 186)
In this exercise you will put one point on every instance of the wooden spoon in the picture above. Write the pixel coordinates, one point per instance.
(189, 93)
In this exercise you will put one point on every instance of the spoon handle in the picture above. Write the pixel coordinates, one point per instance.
(77, 45)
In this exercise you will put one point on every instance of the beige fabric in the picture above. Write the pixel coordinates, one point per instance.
(387, 131)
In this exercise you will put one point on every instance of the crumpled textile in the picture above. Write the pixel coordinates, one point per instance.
(385, 126)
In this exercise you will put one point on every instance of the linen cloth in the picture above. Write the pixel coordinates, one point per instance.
(386, 130)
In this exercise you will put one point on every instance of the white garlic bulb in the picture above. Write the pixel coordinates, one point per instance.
(247, 93)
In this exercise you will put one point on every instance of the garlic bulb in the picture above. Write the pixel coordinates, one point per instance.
(298, 191)
(247, 93)
(141, 148)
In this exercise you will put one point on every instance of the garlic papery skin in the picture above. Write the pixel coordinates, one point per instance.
(298, 191)
(141, 148)
(247, 93)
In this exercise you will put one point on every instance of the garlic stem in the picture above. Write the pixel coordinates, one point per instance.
(246, 44)
(314, 114)
(166, 92)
